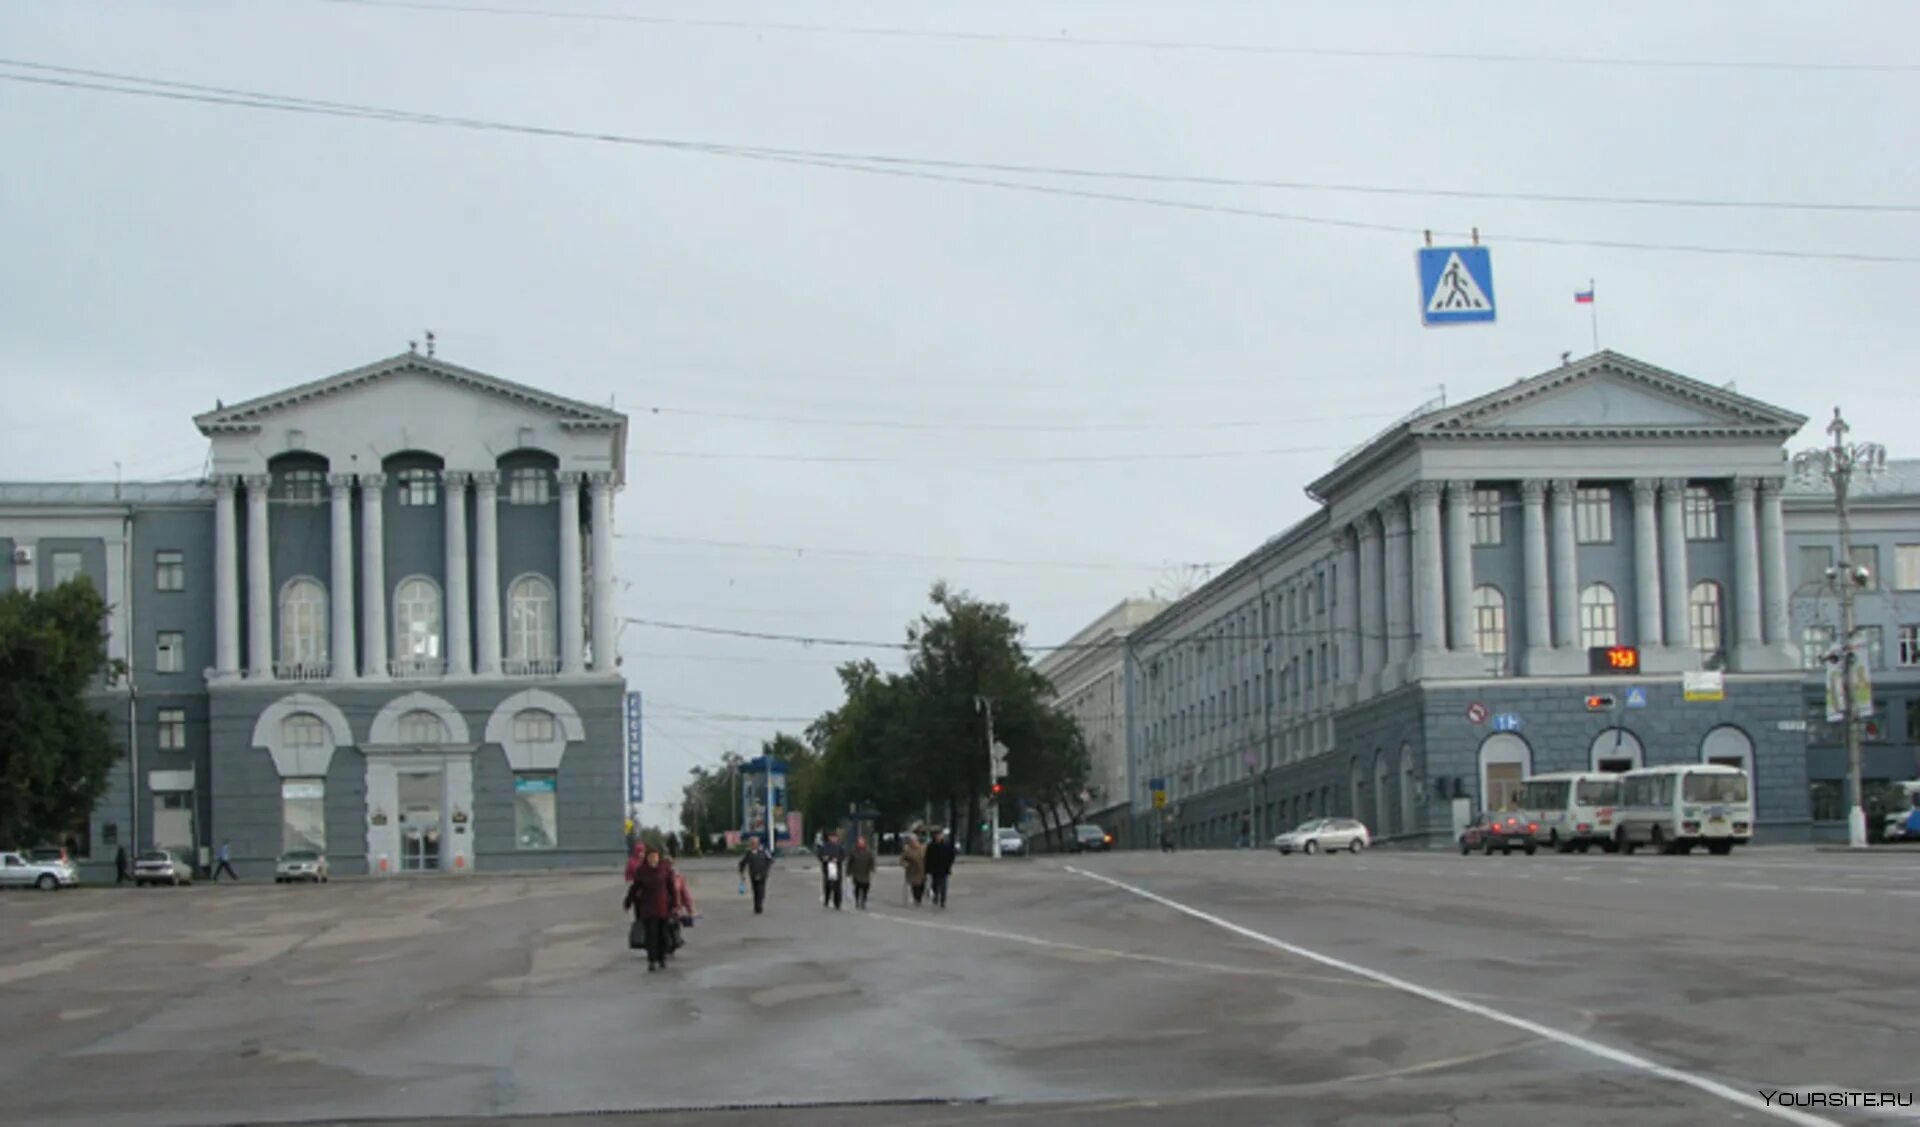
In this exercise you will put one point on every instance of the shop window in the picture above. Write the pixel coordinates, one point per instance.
(536, 822)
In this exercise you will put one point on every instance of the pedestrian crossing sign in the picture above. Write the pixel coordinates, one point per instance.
(1456, 285)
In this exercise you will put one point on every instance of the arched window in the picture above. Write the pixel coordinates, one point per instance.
(303, 729)
(1703, 616)
(303, 622)
(530, 619)
(1490, 626)
(416, 619)
(1599, 617)
(535, 726)
(422, 727)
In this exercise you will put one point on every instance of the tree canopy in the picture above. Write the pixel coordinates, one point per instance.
(56, 746)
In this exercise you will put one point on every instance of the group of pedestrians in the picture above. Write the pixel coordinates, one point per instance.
(661, 903)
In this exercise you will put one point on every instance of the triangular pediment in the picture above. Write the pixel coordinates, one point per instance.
(1610, 394)
(252, 413)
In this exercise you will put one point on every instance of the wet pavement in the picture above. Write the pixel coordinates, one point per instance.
(1126, 988)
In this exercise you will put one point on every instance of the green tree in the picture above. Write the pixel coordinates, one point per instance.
(56, 747)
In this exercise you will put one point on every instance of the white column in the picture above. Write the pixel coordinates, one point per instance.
(259, 581)
(1773, 567)
(341, 647)
(1566, 569)
(1746, 569)
(1399, 580)
(1430, 586)
(373, 582)
(1460, 566)
(1673, 551)
(1533, 519)
(605, 648)
(1350, 616)
(453, 499)
(1373, 611)
(1646, 564)
(572, 630)
(226, 578)
(486, 579)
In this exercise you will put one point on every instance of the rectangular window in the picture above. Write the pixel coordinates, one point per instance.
(170, 571)
(303, 487)
(536, 823)
(1815, 641)
(1486, 517)
(1814, 563)
(1593, 515)
(419, 488)
(1703, 617)
(529, 485)
(170, 652)
(1906, 567)
(1827, 801)
(303, 816)
(1599, 622)
(172, 729)
(1702, 516)
(1910, 645)
(1866, 557)
(1875, 640)
(66, 567)
(1913, 721)
(1490, 631)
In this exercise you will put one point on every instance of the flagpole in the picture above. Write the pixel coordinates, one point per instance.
(1593, 307)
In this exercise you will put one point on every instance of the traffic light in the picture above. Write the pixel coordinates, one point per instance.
(997, 788)
(1599, 703)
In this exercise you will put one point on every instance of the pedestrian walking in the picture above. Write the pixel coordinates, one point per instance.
(651, 896)
(226, 863)
(833, 864)
(635, 855)
(913, 858)
(860, 866)
(121, 873)
(754, 868)
(941, 856)
(673, 847)
(682, 913)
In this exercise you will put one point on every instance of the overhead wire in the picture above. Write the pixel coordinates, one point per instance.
(1046, 428)
(1083, 42)
(798, 549)
(192, 92)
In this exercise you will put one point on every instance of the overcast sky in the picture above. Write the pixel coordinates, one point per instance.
(158, 254)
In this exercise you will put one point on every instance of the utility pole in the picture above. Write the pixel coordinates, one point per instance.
(996, 766)
(1839, 463)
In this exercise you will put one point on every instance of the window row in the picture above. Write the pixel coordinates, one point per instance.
(1819, 643)
(536, 812)
(526, 485)
(1593, 515)
(1599, 619)
(1816, 559)
(419, 728)
(305, 624)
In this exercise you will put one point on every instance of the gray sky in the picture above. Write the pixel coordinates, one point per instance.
(160, 254)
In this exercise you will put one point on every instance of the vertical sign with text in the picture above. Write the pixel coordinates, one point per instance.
(636, 774)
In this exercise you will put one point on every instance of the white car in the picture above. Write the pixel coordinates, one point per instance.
(22, 870)
(1011, 843)
(1325, 834)
(161, 866)
(303, 865)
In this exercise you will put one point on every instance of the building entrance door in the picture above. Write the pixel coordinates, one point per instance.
(420, 813)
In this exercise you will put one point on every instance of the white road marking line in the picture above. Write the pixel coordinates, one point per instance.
(1605, 1052)
(1750, 887)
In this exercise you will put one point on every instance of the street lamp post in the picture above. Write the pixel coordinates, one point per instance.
(1839, 463)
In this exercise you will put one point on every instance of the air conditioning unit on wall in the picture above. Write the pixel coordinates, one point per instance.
(23, 555)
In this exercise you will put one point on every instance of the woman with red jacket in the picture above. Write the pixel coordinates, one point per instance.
(654, 900)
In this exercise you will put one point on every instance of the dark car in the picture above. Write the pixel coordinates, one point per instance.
(1091, 839)
(1504, 832)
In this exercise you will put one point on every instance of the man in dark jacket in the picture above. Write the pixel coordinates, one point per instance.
(755, 866)
(860, 866)
(940, 858)
(833, 871)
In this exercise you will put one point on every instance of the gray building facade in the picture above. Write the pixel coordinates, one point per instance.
(383, 626)
(1449, 621)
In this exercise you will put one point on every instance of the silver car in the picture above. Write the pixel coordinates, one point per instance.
(161, 866)
(1328, 834)
(22, 870)
(301, 864)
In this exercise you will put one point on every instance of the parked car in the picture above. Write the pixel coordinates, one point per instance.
(1329, 834)
(1012, 844)
(28, 870)
(301, 865)
(1091, 839)
(161, 866)
(1505, 832)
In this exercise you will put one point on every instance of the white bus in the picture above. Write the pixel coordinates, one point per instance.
(1679, 806)
(1574, 808)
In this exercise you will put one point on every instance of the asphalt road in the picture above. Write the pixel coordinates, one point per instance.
(1127, 988)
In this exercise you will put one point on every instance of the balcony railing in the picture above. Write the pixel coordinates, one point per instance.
(417, 668)
(531, 667)
(302, 670)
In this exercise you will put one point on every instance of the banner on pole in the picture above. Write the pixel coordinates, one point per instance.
(1861, 687)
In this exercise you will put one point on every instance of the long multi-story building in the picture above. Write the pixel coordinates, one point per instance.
(1089, 678)
(1529, 581)
(382, 626)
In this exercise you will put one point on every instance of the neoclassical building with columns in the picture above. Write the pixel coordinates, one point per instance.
(1435, 630)
(382, 626)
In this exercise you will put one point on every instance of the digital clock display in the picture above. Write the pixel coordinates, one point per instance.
(1614, 659)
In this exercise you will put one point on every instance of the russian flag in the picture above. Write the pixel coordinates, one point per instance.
(1584, 297)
